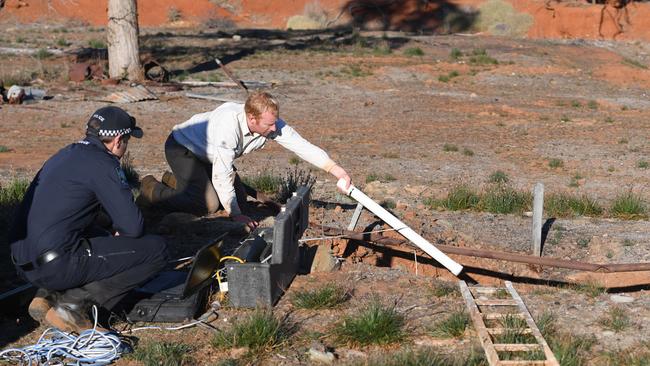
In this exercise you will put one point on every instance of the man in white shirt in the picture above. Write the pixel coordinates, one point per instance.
(202, 150)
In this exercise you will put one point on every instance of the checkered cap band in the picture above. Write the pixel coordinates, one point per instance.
(122, 131)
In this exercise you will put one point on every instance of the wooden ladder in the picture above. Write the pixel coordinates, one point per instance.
(477, 297)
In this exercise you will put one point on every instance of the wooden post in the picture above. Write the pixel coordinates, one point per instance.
(122, 37)
(538, 209)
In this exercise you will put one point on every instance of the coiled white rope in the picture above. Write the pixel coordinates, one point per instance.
(56, 347)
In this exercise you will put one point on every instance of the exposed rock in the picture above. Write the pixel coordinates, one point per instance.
(621, 299)
(324, 260)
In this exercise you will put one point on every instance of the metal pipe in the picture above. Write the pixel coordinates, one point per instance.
(401, 227)
(493, 254)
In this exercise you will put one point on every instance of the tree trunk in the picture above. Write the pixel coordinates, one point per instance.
(123, 48)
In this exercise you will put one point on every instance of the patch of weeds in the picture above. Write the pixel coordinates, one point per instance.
(96, 43)
(356, 71)
(634, 63)
(450, 148)
(504, 200)
(591, 289)
(480, 57)
(460, 198)
(173, 14)
(451, 327)
(444, 289)
(564, 205)
(183, 75)
(625, 108)
(260, 331)
(414, 51)
(555, 163)
(390, 155)
(565, 119)
(290, 182)
(64, 125)
(61, 42)
(609, 120)
(455, 54)
(449, 76)
(21, 40)
(388, 203)
(628, 206)
(4, 149)
(628, 243)
(555, 239)
(575, 180)
(163, 354)
(443, 78)
(571, 350)
(294, 160)
(381, 178)
(502, 294)
(616, 320)
(424, 357)
(326, 297)
(42, 54)
(498, 177)
(611, 169)
(375, 324)
(468, 152)
(609, 254)
(132, 176)
(264, 181)
(642, 164)
(583, 242)
(592, 104)
(576, 104)
(633, 356)
(547, 324)
(514, 331)
(622, 140)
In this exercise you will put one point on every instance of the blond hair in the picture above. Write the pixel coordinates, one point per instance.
(259, 102)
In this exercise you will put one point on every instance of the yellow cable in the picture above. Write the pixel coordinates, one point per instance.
(231, 257)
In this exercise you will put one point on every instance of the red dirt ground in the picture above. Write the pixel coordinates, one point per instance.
(569, 20)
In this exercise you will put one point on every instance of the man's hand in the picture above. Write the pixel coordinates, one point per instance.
(252, 224)
(340, 173)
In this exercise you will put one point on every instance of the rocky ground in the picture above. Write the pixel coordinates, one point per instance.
(408, 126)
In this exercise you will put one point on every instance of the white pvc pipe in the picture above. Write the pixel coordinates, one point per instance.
(401, 227)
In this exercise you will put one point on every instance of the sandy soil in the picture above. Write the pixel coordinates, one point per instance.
(380, 113)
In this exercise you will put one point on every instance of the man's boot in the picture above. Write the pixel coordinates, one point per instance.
(147, 187)
(69, 318)
(169, 179)
(40, 305)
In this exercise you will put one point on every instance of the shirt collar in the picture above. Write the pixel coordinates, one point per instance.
(243, 124)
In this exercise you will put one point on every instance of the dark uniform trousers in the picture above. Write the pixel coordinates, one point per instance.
(101, 269)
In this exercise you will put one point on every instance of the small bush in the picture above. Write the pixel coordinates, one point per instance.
(504, 200)
(443, 78)
(356, 71)
(642, 164)
(555, 163)
(291, 181)
(460, 198)
(480, 57)
(498, 177)
(265, 182)
(514, 331)
(173, 14)
(260, 331)
(616, 320)
(628, 206)
(388, 204)
(451, 327)
(61, 42)
(390, 155)
(591, 289)
(415, 51)
(42, 54)
(325, 297)
(583, 242)
(3, 149)
(571, 350)
(564, 205)
(565, 119)
(375, 324)
(609, 120)
(455, 54)
(576, 104)
(450, 148)
(633, 356)
(96, 43)
(444, 289)
(294, 160)
(592, 104)
(426, 357)
(468, 152)
(164, 354)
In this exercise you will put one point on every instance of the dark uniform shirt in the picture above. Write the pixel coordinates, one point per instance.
(66, 196)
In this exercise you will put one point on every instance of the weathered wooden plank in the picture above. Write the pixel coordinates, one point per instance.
(498, 331)
(516, 347)
(493, 316)
(496, 302)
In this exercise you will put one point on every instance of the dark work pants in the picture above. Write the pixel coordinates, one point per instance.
(194, 192)
(103, 274)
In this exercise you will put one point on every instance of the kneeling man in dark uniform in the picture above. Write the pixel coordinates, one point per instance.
(55, 243)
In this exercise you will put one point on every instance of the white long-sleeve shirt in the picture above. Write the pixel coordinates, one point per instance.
(222, 135)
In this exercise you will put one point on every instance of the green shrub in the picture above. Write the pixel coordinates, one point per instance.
(480, 57)
(450, 148)
(628, 206)
(375, 324)
(415, 51)
(61, 42)
(426, 357)
(555, 163)
(443, 289)
(502, 199)
(564, 205)
(460, 198)
(468, 152)
(616, 320)
(294, 160)
(260, 331)
(498, 177)
(96, 43)
(591, 289)
(3, 149)
(451, 327)
(642, 164)
(163, 354)
(42, 54)
(455, 54)
(328, 296)
(264, 181)
(592, 104)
